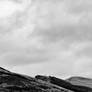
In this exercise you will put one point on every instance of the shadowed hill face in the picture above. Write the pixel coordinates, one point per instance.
(70, 86)
(12, 82)
(64, 84)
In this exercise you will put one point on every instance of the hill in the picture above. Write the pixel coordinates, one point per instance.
(13, 82)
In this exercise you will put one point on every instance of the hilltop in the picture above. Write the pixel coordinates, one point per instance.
(14, 82)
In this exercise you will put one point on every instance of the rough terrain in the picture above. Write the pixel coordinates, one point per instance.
(13, 82)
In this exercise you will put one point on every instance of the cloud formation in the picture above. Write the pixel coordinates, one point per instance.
(54, 35)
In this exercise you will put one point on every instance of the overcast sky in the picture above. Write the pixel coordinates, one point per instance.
(50, 37)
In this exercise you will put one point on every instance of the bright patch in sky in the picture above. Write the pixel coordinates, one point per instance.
(7, 8)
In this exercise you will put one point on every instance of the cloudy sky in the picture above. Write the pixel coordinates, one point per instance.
(48, 37)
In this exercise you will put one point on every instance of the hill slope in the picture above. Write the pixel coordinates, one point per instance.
(13, 82)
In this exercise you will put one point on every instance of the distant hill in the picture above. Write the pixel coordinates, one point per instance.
(13, 82)
(80, 81)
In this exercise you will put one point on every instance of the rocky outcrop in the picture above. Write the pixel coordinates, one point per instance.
(13, 82)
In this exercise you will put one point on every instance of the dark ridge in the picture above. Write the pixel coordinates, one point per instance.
(4, 70)
(67, 85)
(13, 82)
